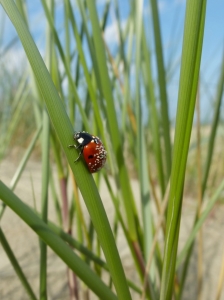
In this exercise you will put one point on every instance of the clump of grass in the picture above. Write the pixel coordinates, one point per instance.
(81, 85)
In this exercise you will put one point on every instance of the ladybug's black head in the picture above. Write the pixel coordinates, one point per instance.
(83, 138)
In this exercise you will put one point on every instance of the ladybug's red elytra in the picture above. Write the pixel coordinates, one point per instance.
(92, 149)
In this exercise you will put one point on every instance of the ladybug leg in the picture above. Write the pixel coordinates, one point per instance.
(78, 155)
(74, 146)
(77, 147)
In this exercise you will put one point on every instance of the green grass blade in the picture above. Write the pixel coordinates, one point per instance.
(127, 65)
(69, 60)
(55, 199)
(191, 56)
(162, 87)
(25, 158)
(45, 172)
(121, 39)
(214, 127)
(44, 203)
(149, 86)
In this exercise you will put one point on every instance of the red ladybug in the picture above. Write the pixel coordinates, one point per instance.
(92, 149)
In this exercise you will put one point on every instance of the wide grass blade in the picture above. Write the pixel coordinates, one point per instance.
(191, 56)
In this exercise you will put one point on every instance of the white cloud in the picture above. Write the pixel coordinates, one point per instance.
(14, 59)
(111, 33)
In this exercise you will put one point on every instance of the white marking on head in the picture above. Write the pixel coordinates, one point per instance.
(80, 140)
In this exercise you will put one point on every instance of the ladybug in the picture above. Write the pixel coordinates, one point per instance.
(92, 149)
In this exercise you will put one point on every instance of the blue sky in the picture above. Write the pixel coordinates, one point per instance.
(172, 13)
(213, 45)
(172, 20)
